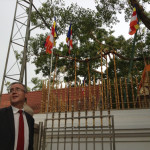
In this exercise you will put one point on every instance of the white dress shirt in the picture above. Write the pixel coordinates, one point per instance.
(26, 128)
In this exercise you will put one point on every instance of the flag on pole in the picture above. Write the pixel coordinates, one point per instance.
(50, 40)
(134, 24)
(69, 39)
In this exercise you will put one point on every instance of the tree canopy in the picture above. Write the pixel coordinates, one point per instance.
(92, 36)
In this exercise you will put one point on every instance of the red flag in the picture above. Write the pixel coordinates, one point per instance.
(50, 40)
(134, 25)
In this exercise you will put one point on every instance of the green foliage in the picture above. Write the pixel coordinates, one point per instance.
(38, 84)
(88, 26)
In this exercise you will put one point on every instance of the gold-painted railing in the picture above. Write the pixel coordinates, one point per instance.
(106, 95)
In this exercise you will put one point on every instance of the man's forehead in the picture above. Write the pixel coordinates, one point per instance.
(16, 85)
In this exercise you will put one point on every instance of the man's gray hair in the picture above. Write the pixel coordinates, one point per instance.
(25, 89)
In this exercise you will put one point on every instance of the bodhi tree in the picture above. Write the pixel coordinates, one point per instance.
(92, 36)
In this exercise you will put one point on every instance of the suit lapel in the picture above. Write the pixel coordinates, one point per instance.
(11, 123)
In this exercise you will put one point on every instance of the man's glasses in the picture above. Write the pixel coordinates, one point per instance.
(16, 90)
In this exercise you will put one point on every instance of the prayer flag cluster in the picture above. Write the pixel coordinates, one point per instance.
(134, 24)
(69, 39)
(50, 40)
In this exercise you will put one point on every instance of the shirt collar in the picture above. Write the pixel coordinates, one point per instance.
(15, 110)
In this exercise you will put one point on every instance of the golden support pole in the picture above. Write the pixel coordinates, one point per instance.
(133, 97)
(105, 96)
(89, 86)
(75, 71)
(138, 93)
(75, 99)
(107, 89)
(126, 87)
(122, 102)
(110, 95)
(44, 94)
(102, 80)
(70, 99)
(55, 69)
(61, 99)
(115, 93)
(66, 98)
(117, 96)
(57, 101)
(95, 103)
(84, 97)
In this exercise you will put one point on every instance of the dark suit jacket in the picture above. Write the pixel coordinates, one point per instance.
(7, 129)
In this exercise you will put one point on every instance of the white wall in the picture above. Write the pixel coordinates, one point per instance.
(132, 129)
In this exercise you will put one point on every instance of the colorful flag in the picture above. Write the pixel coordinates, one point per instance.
(134, 24)
(50, 40)
(69, 39)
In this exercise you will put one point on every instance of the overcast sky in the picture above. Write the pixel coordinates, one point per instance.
(7, 8)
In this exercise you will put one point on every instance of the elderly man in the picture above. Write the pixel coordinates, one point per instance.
(16, 125)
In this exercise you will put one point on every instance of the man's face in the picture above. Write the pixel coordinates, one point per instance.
(17, 95)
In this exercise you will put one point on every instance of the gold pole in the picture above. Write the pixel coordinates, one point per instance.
(115, 93)
(122, 103)
(127, 93)
(55, 69)
(105, 95)
(138, 93)
(70, 99)
(75, 71)
(117, 96)
(133, 97)
(66, 100)
(102, 80)
(110, 95)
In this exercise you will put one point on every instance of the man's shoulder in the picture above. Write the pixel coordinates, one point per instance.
(28, 115)
(4, 111)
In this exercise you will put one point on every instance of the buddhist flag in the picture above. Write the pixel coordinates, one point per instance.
(69, 39)
(134, 24)
(50, 40)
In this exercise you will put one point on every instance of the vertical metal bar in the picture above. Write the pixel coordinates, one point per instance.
(94, 128)
(8, 52)
(40, 135)
(72, 128)
(59, 113)
(86, 145)
(65, 127)
(101, 125)
(113, 133)
(51, 143)
(79, 106)
(44, 135)
(26, 43)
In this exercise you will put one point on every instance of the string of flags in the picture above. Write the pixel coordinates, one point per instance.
(134, 23)
(69, 39)
(51, 39)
